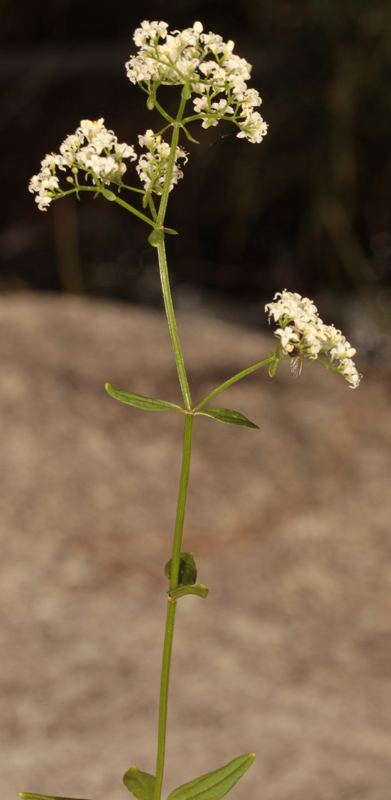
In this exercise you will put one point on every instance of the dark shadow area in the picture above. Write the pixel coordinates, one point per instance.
(308, 209)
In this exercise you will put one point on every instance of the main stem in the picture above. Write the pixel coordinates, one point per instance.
(171, 608)
(187, 442)
(164, 279)
(168, 305)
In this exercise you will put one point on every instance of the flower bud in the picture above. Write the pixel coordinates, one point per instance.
(198, 27)
(186, 92)
(156, 237)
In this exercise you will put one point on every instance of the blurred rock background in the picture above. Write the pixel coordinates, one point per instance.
(290, 655)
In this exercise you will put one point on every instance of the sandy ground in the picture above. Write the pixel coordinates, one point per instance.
(290, 654)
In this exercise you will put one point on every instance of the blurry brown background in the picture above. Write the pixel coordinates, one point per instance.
(290, 654)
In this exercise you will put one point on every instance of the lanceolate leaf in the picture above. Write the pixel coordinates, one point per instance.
(139, 401)
(30, 796)
(215, 784)
(140, 784)
(228, 416)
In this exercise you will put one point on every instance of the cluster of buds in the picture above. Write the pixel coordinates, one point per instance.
(93, 150)
(304, 335)
(206, 66)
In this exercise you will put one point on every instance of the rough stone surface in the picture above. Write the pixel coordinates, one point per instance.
(290, 654)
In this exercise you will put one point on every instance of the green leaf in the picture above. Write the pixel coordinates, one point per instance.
(108, 194)
(199, 590)
(273, 367)
(228, 416)
(140, 784)
(215, 784)
(139, 401)
(187, 570)
(30, 796)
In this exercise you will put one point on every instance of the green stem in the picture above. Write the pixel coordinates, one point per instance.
(187, 442)
(171, 161)
(180, 516)
(171, 608)
(168, 305)
(164, 278)
(235, 378)
(164, 684)
(134, 210)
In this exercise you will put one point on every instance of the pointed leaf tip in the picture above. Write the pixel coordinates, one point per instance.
(139, 401)
(214, 785)
(33, 796)
(228, 416)
(200, 590)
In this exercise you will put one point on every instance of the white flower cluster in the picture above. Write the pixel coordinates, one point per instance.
(93, 149)
(303, 333)
(152, 166)
(184, 58)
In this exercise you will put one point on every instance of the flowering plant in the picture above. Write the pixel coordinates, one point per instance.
(214, 79)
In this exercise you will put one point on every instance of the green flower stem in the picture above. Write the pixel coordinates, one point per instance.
(171, 161)
(163, 113)
(176, 551)
(165, 282)
(117, 199)
(171, 608)
(235, 378)
(135, 211)
(187, 442)
(164, 278)
(164, 684)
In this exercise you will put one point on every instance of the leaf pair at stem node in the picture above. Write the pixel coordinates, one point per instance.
(212, 786)
(226, 415)
(187, 577)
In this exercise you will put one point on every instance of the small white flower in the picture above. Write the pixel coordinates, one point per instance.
(223, 107)
(152, 166)
(184, 58)
(200, 104)
(147, 139)
(149, 30)
(287, 335)
(93, 149)
(300, 322)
